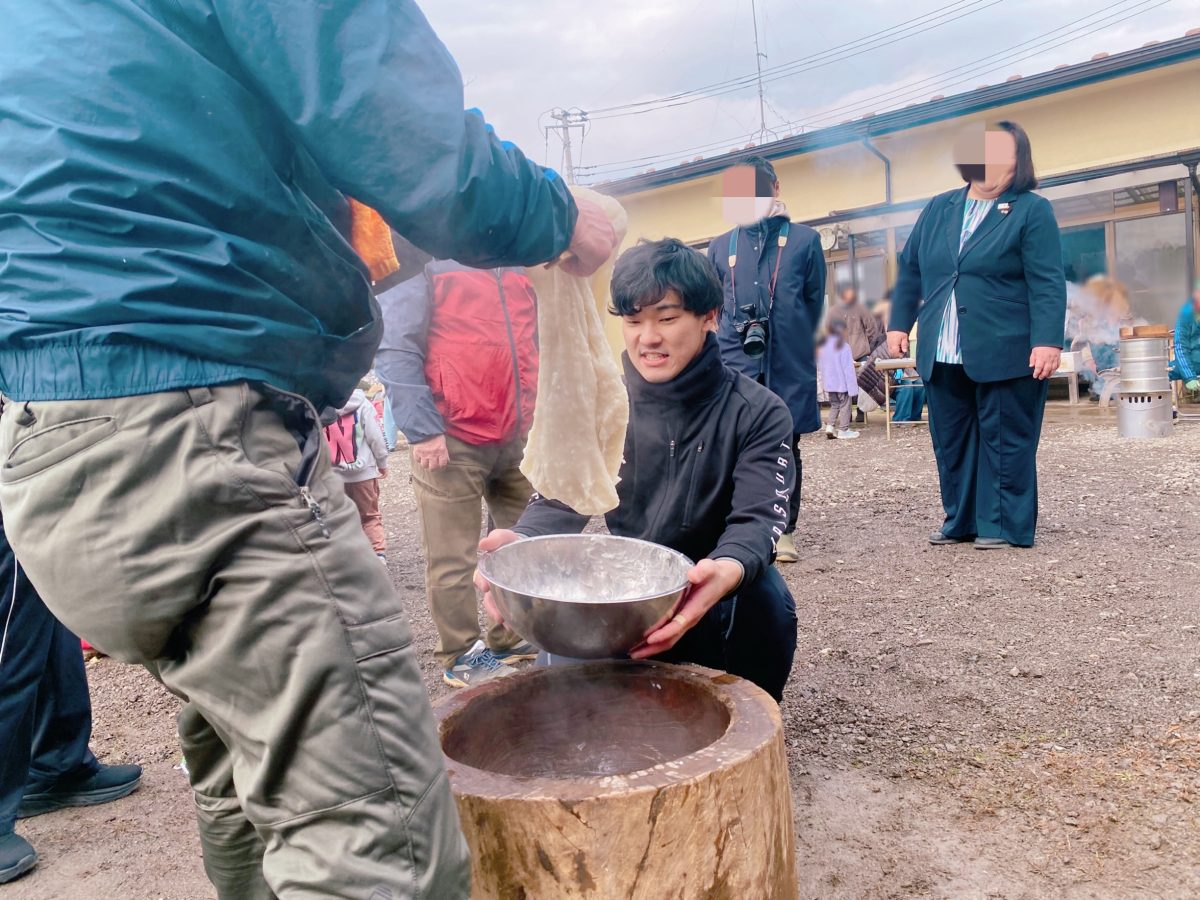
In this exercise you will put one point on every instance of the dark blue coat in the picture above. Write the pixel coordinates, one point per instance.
(789, 364)
(1008, 283)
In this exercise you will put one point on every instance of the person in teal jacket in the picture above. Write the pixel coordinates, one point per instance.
(1186, 365)
(177, 303)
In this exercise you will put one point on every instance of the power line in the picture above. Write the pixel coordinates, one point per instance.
(745, 80)
(1042, 43)
(808, 66)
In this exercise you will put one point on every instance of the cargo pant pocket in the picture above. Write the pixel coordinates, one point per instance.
(42, 449)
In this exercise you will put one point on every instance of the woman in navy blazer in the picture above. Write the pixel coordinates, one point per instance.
(986, 260)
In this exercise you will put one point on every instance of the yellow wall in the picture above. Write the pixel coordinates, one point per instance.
(1128, 118)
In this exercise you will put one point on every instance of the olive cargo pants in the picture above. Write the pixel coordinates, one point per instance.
(202, 533)
(449, 501)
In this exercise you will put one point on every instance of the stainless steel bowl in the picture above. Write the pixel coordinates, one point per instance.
(587, 596)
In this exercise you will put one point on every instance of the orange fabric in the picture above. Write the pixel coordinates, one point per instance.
(372, 240)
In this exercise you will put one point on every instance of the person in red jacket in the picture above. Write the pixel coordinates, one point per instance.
(459, 360)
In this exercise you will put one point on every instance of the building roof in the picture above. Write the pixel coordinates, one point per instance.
(1101, 67)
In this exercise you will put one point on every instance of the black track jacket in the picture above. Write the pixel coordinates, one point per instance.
(707, 469)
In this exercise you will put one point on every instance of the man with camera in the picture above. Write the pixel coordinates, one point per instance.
(773, 274)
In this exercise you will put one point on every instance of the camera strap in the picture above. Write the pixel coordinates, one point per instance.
(781, 242)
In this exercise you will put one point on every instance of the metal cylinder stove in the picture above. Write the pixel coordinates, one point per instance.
(1144, 409)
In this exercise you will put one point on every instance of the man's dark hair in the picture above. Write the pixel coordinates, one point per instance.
(645, 272)
(764, 175)
(1024, 178)
(762, 165)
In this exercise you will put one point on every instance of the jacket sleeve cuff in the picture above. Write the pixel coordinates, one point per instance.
(750, 560)
(417, 436)
(738, 563)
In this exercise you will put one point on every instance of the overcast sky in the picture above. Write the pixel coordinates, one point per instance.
(520, 58)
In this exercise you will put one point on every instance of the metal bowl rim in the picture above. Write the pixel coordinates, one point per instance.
(483, 560)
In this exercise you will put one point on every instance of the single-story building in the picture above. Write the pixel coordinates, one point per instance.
(1116, 143)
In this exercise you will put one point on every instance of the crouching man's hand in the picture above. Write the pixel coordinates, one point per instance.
(494, 541)
(711, 581)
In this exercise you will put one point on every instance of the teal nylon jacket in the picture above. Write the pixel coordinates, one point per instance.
(172, 176)
(1187, 342)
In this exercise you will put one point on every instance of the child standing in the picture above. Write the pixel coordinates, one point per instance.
(360, 456)
(836, 363)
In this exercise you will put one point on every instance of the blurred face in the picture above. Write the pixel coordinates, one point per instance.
(663, 339)
(849, 296)
(1196, 300)
(746, 195)
(988, 159)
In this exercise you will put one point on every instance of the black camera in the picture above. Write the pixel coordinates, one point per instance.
(753, 331)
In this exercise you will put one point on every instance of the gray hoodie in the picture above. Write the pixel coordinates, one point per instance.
(372, 450)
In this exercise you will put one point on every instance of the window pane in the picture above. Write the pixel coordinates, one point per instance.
(865, 239)
(841, 275)
(1083, 252)
(872, 278)
(1086, 206)
(1152, 262)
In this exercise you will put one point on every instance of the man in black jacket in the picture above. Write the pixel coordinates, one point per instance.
(707, 471)
(773, 271)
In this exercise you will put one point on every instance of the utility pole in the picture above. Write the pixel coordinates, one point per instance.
(568, 120)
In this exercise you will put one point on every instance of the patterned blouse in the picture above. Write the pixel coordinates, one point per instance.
(949, 349)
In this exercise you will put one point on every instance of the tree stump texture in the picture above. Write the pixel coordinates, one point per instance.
(630, 780)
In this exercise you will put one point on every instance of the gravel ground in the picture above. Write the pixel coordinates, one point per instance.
(1013, 725)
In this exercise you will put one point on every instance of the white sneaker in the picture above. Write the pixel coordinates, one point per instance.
(847, 435)
(829, 432)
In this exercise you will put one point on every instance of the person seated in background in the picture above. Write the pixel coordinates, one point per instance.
(1186, 365)
(707, 471)
(459, 360)
(862, 330)
(881, 309)
(1101, 310)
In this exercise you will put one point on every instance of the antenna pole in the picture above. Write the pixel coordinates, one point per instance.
(759, 56)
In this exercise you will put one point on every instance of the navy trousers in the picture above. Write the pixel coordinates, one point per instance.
(45, 710)
(751, 634)
(985, 437)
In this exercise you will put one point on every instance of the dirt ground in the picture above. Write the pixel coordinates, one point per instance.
(1014, 725)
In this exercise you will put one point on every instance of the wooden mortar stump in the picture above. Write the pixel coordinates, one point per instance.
(629, 780)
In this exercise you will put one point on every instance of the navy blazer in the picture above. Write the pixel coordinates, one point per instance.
(1008, 283)
(789, 366)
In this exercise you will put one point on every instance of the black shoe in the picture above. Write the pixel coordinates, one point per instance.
(109, 783)
(938, 538)
(16, 857)
(988, 543)
(860, 418)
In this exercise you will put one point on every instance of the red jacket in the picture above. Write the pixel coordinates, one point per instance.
(481, 354)
(459, 354)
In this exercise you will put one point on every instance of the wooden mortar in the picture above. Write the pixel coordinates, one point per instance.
(635, 780)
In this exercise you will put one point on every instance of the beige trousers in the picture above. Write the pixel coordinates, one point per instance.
(188, 532)
(449, 500)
